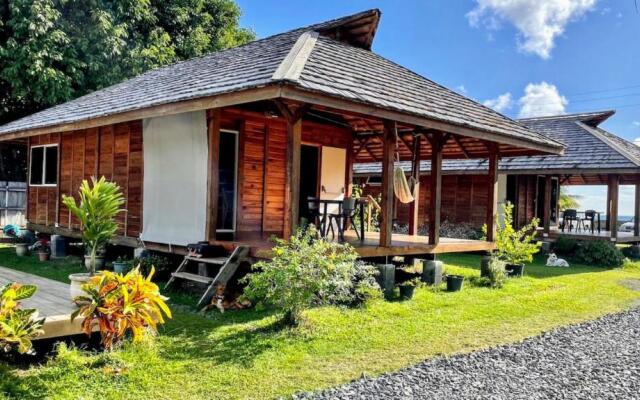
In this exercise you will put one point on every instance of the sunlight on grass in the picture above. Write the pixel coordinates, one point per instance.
(248, 354)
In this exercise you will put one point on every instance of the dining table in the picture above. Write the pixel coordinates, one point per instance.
(324, 216)
(582, 216)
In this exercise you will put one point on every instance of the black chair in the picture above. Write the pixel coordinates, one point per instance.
(569, 216)
(589, 216)
(315, 216)
(342, 219)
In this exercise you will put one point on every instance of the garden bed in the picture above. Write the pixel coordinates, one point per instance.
(248, 354)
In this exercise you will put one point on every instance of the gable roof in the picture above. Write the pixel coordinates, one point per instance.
(331, 58)
(587, 148)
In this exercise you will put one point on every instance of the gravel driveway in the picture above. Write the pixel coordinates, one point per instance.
(595, 360)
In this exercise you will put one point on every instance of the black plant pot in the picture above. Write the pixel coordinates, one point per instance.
(406, 292)
(515, 270)
(454, 283)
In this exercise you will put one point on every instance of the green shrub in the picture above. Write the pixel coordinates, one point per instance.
(599, 253)
(18, 327)
(495, 275)
(632, 252)
(565, 246)
(162, 265)
(515, 246)
(305, 272)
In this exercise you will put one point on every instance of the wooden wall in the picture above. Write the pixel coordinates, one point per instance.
(261, 168)
(116, 152)
(113, 151)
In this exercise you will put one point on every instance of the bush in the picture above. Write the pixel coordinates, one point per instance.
(565, 246)
(515, 246)
(495, 275)
(599, 253)
(162, 266)
(18, 327)
(305, 272)
(632, 252)
(121, 304)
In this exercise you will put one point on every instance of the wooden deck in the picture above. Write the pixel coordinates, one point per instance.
(51, 300)
(623, 237)
(401, 245)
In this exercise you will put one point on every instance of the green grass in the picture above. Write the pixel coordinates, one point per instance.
(56, 269)
(247, 354)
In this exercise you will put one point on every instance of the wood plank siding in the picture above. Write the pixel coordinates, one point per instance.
(116, 152)
(113, 151)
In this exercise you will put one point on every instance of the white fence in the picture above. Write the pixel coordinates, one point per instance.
(13, 201)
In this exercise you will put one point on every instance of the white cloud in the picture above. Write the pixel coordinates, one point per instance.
(637, 141)
(539, 22)
(541, 99)
(461, 89)
(500, 103)
(636, 124)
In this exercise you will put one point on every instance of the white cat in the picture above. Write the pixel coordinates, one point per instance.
(554, 261)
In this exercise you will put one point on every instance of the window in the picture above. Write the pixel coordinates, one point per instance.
(44, 166)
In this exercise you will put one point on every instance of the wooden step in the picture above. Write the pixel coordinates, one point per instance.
(192, 277)
(213, 260)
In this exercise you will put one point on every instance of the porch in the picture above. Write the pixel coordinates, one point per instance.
(621, 237)
(51, 300)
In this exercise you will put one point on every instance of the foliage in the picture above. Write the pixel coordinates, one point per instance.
(565, 246)
(495, 275)
(305, 272)
(567, 201)
(119, 304)
(161, 264)
(54, 51)
(515, 246)
(632, 252)
(599, 252)
(411, 282)
(18, 326)
(212, 353)
(358, 192)
(100, 202)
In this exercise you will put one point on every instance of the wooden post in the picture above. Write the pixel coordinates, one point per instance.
(547, 205)
(415, 173)
(388, 147)
(293, 118)
(435, 200)
(636, 214)
(615, 187)
(607, 223)
(492, 193)
(292, 189)
(213, 173)
(349, 170)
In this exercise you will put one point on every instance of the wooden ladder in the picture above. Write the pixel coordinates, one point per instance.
(228, 267)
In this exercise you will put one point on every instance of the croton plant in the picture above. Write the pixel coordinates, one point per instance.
(18, 326)
(121, 304)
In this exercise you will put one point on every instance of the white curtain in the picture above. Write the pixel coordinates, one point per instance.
(175, 178)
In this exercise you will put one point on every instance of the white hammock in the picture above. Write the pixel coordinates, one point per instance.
(401, 187)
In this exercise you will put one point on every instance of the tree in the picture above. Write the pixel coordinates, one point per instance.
(568, 201)
(52, 51)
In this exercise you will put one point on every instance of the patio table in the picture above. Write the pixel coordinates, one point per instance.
(324, 204)
(581, 215)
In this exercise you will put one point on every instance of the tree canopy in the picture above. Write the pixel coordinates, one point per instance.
(52, 51)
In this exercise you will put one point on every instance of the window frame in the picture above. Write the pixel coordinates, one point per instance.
(44, 165)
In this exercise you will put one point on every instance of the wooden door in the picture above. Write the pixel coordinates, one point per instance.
(332, 174)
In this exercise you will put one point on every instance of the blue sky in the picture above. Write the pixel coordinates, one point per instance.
(523, 57)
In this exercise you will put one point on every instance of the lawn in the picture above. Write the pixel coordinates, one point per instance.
(247, 354)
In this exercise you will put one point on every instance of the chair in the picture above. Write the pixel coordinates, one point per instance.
(343, 217)
(315, 216)
(590, 216)
(569, 216)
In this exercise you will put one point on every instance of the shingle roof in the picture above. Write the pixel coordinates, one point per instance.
(588, 147)
(319, 63)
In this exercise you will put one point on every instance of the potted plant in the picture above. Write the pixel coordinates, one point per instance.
(407, 288)
(454, 283)
(121, 265)
(22, 248)
(515, 247)
(99, 204)
(43, 252)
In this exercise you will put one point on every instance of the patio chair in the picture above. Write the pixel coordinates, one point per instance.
(315, 216)
(570, 216)
(589, 216)
(343, 217)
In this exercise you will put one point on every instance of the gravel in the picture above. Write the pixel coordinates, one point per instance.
(595, 360)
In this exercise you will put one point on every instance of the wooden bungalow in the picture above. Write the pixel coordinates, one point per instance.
(226, 148)
(592, 156)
